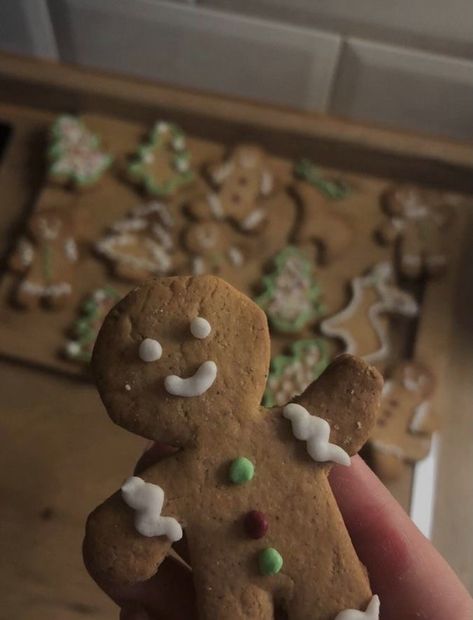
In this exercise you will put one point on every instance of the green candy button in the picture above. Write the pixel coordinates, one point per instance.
(241, 470)
(270, 561)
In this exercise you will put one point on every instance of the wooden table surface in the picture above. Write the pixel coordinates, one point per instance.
(61, 455)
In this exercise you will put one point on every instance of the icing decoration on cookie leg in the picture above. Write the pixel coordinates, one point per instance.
(241, 470)
(371, 612)
(372, 296)
(269, 561)
(316, 431)
(291, 374)
(150, 350)
(74, 153)
(162, 164)
(256, 524)
(196, 385)
(291, 293)
(335, 189)
(147, 499)
(200, 328)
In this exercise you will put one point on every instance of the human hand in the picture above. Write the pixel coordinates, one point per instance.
(411, 578)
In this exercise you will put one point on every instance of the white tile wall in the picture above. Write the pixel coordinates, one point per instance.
(25, 28)
(433, 25)
(405, 88)
(200, 48)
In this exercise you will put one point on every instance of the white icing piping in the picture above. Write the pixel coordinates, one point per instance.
(420, 414)
(150, 350)
(196, 385)
(316, 431)
(147, 499)
(371, 613)
(200, 328)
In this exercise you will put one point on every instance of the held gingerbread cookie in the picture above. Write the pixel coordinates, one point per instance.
(184, 361)
(75, 155)
(241, 183)
(418, 221)
(360, 325)
(404, 427)
(46, 257)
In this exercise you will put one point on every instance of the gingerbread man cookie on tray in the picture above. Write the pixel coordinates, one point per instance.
(418, 220)
(404, 427)
(184, 361)
(46, 258)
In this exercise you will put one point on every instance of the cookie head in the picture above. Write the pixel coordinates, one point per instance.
(416, 378)
(179, 355)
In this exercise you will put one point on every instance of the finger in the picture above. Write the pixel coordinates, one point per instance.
(411, 578)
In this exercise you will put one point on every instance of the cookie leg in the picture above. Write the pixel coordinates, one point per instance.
(221, 602)
(127, 272)
(29, 294)
(115, 553)
(57, 295)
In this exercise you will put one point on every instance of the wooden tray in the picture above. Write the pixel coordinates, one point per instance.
(32, 93)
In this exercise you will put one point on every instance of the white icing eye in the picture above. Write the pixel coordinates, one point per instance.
(200, 328)
(150, 350)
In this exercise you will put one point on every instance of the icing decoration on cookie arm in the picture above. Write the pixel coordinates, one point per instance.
(347, 395)
(316, 432)
(147, 500)
(371, 612)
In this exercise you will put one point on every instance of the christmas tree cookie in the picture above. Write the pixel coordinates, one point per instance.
(74, 154)
(291, 296)
(291, 374)
(161, 165)
(86, 327)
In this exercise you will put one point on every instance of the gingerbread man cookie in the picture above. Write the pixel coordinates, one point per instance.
(46, 257)
(241, 183)
(360, 324)
(320, 224)
(405, 424)
(141, 244)
(418, 220)
(75, 155)
(184, 361)
(291, 295)
(162, 165)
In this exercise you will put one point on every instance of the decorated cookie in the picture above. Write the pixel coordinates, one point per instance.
(418, 220)
(360, 325)
(291, 295)
(162, 165)
(212, 247)
(320, 224)
(142, 244)
(334, 189)
(404, 426)
(241, 183)
(74, 153)
(85, 329)
(46, 258)
(184, 361)
(291, 374)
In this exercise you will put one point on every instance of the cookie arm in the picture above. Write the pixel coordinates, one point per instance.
(348, 396)
(115, 554)
(22, 257)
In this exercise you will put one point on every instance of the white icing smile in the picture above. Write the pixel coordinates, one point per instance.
(198, 384)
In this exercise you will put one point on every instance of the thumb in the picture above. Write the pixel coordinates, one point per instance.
(411, 578)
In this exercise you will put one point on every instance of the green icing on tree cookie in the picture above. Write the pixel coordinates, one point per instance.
(291, 293)
(86, 327)
(291, 374)
(335, 189)
(74, 153)
(162, 164)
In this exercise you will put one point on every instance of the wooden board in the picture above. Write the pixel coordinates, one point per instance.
(50, 418)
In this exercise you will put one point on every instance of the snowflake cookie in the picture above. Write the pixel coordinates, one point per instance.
(360, 325)
(85, 329)
(291, 296)
(74, 154)
(161, 165)
(140, 245)
(290, 374)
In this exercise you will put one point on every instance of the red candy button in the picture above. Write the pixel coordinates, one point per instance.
(256, 524)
